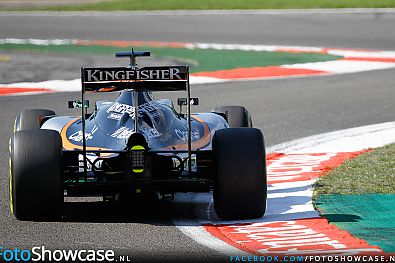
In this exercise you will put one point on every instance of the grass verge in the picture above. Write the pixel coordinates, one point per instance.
(198, 59)
(112, 5)
(369, 173)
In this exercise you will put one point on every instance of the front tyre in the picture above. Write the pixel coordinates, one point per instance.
(36, 169)
(240, 189)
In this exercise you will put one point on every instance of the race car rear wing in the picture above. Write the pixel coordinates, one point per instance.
(163, 78)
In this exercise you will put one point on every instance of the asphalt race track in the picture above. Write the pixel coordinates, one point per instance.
(284, 109)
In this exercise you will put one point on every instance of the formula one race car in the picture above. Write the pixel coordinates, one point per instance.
(136, 145)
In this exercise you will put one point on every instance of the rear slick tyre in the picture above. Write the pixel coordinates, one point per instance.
(240, 189)
(36, 172)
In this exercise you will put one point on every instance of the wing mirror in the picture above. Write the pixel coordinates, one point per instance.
(77, 104)
(183, 102)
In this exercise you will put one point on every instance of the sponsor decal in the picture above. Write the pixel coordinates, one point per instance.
(151, 107)
(122, 133)
(125, 74)
(121, 108)
(183, 134)
(93, 160)
(78, 136)
(117, 109)
(177, 164)
(150, 133)
(114, 116)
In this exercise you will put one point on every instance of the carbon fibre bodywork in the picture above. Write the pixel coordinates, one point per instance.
(110, 126)
(110, 134)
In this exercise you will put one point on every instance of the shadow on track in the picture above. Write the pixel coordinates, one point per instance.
(137, 210)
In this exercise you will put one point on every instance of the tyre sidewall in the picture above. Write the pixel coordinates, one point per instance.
(36, 174)
(240, 188)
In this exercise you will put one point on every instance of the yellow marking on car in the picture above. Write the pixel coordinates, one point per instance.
(138, 148)
(10, 175)
(10, 186)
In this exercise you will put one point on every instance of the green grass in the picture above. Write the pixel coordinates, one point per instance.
(218, 4)
(198, 59)
(358, 197)
(370, 173)
(370, 217)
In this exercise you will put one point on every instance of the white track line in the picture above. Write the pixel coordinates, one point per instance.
(349, 140)
(342, 66)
